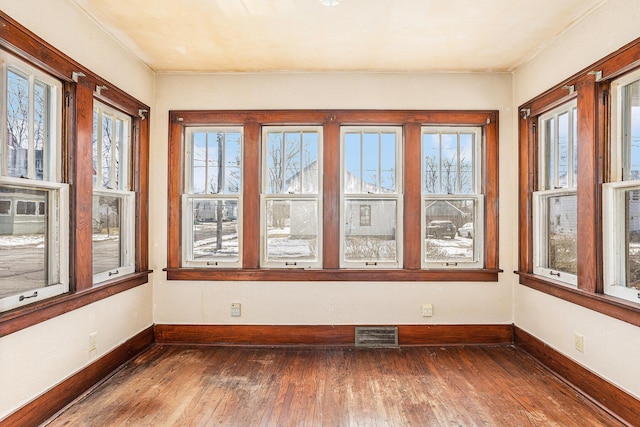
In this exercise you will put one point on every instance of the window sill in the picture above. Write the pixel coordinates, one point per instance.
(610, 306)
(333, 275)
(24, 317)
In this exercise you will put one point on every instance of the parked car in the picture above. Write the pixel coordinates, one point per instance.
(440, 229)
(466, 230)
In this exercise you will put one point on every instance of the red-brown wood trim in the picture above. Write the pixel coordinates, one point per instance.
(526, 182)
(141, 187)
(587, 209)
(328, 335)
(23, 317)
(490, 187)
(251, 196)
(331, 120)
(47, 404)
(302, 275)
(611, 306)
(343, 117)
(616, 401)
(81, 209)
(174, 184)
(412, 196)
(331, 193)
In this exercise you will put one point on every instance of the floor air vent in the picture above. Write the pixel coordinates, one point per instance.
(382, 336)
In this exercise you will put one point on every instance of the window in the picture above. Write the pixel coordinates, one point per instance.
(326, 195)
(580, 186)
(371, 176)
(555, 202)
(52, 172)
(365, 216)
(291, 201)
(452, 200)
(113, 200)
(33, 265)
(621, 198)
(212, 202)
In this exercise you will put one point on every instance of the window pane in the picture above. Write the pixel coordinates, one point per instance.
(310, 163)
(563, 150)
(40, 126)
(448, 162)
(17, 124)
(199, 152)
(23, 242)
(374, 242)
(215, 162)
(292, 162)
(632, 238)
(292, 230)
(352, 162)
(370, 162)
(562, 231)
(107, 228)
(466, 163)
(449, 231)
(431, 163)
(550, 155)
(215, 230)
(631, 130)
(107, 150)
(388, 163)
(232, 150)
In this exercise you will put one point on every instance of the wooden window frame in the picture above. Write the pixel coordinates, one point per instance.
(331, 121)
(79, 91)
(590, 88)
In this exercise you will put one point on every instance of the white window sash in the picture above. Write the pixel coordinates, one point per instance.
(127, 232)
(617, 131)
(476, 187)
(614, 240)
(187, 230)
(397, 195)
(52, 152)
(477, 260)
(544, 146)
(292, 262)
(541, 235)
(58, 243)
(399, 233)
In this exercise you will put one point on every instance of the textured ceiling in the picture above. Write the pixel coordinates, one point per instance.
(356, 35)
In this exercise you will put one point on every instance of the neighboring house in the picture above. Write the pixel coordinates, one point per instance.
(21, 212)
(371, 218)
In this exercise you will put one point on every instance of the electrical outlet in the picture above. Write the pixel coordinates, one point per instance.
(93, 341)
(236, 309)
(427, 310)
(578, 341)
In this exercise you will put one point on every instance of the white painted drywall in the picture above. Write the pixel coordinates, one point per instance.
(37, 358)
(611, 346)
(327, 303)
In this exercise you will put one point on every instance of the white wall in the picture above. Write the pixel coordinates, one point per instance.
(611, 346)
(342, 302)
(37, 358)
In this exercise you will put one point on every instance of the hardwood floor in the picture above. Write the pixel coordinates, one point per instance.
(257, 386)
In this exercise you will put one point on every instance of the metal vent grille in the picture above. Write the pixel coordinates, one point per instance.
(381, 336)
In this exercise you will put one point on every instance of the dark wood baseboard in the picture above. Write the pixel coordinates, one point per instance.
(620, 403)
(47, 404)
(327, 335)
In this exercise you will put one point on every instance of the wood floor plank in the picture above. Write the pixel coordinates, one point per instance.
(420, 386)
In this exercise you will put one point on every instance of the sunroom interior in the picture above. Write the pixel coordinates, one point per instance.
(535, 238)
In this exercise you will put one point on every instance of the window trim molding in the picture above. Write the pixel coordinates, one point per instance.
(331, 120)
(77, 129)
(590, 88)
